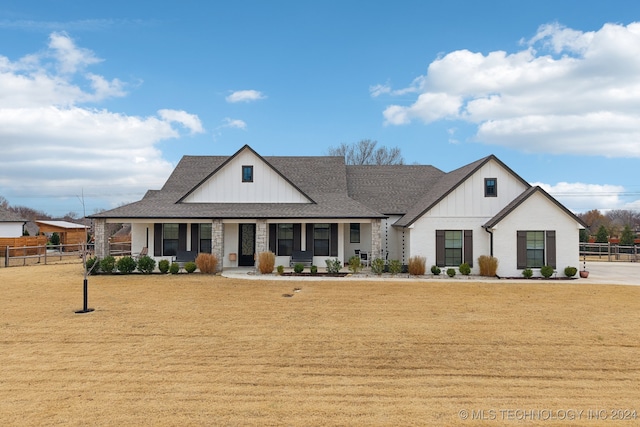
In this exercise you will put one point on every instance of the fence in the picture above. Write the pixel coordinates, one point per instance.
(610, 252)
(43, 254)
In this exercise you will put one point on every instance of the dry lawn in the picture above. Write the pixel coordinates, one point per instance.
(202, 350)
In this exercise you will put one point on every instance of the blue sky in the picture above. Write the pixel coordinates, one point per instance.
(102, 99)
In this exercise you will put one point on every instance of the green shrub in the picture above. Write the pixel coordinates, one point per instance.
(354, 264)
(570, 271)
(190, 267)
(451, 272)
(92, 265)
(314, 270)
(108, 264)
(298, 268)
(395, 267)
(126, 265)
(435, 270)
(55, 239)
(146, 264)
(280, 270)
(488, 265)
(546, 271)
(527, 273)
(333, 265)
(377, 266)
(465, 269)
(417, 265)
(175, 268)
(163, 266)
(266, 262)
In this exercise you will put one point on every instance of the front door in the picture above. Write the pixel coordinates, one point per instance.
(247, 245)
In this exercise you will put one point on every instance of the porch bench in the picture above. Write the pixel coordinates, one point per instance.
(184, 257)
(301, 257)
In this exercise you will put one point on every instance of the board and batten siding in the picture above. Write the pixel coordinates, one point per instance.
(226, 185)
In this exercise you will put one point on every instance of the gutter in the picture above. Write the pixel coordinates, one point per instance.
(491, 244)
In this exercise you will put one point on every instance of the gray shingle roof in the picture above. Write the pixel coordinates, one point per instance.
(8, 216)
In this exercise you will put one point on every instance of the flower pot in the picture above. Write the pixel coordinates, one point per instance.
(584, 274)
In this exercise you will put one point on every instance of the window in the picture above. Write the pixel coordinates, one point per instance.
(354, 233)
(490, 187)
(205, 238)
(535, 249)
(170, 235)
(453, 247)
(321, 233)
(285, 239)
(247, 173)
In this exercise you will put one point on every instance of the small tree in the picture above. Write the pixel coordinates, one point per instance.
(603, 235)
(55, 239)
(627, 237)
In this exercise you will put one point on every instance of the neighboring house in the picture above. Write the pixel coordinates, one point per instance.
(240, 205)
(11, 225)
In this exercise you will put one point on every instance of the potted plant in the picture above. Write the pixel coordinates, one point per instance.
(584, 273)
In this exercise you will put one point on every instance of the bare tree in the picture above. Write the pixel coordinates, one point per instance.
(364, 152)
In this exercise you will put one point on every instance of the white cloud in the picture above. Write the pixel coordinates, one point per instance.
(566, 91)
(245, 96)
(581, 197)
(234, 123)
(190, 121)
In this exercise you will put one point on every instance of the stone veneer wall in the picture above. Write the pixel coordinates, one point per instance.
(101, 241)
(376, 238)
(262, 243)
(217, 241)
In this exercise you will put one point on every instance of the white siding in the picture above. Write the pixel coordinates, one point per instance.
(231, 231)
(393, 241)
(226, 185)
(11, 229)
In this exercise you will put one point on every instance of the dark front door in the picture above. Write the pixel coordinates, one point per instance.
(247, 245)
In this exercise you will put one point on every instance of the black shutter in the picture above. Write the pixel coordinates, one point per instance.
(521, 249)
(440, 248)
(551, 248)
(468, 247)
(297, 237)
(333, 240)
(310, 238)
(157, 239)
(273, 235)
(182, 237)
(195, 237)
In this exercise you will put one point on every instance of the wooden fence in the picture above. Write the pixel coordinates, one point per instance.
(13, 256)
(610, 252)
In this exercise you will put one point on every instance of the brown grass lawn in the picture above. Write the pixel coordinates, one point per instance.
(202, 350)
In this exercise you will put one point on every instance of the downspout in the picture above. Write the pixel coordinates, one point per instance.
(491, 240)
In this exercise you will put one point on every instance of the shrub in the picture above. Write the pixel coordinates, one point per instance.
(108, 264)
(190, 267)
(417, 265)
(395, 267)
(488, 265)
(465, 269)
(354, 264)
(333, 265)
(435, 270)
(266, 262)
(451, 272)
(570, 271)
(527, 273)
(298, 268)
(377, 266)
(175, 268)
(280, 270)
(163, 266)
(314, 269)
(146, 264)
(126, 265)
(207, 263)
(92, 265)
(546, 271)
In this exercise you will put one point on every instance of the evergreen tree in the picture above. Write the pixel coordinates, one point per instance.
(603, 235)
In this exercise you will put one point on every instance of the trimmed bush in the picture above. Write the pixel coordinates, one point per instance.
(333, 265)
(92, 265)
(546, 271)
(163, 266)
(395, 267)
(126, 265)
(377, 266)
(174, 268)
(190, 267)
(488, 265)
(108, 264)
(570, 271)
(417, 265)
(435, 270)
(465, 269)
(280, 270)
(207, 263)
(146, 264)
(354, 264)
(314, 270)
(298, 268)
(451, 272)
(527, 273)
(266, 262)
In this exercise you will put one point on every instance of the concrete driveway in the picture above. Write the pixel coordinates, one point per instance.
(618, 273)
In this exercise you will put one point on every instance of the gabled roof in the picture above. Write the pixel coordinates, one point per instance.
(9, 216)
(520, 199)
(445, 185)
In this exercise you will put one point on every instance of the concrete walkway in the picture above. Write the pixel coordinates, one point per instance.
(615, 273)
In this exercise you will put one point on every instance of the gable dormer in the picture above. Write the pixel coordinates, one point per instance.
(246, 177)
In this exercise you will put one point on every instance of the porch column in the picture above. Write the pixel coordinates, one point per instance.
(376, 238)
(262, 242)
(217, 242)
(101, 240)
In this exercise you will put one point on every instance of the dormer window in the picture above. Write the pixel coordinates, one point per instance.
(490, 187)
(247, 173)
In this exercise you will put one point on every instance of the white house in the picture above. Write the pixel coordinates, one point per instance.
(11, 225)
(240, 205)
